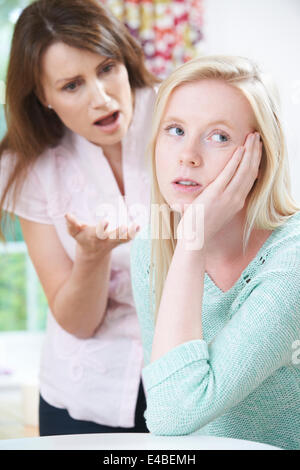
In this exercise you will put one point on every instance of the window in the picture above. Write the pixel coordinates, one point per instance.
(23, 304)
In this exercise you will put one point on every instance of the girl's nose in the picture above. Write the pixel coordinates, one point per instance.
(190, 158)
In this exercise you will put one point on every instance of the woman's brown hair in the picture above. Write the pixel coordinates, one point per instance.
(84, 24)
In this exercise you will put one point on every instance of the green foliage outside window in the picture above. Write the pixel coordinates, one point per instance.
(12, 292)
(23, 304)
(13, 305)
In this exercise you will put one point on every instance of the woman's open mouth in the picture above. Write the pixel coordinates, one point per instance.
(110, 123)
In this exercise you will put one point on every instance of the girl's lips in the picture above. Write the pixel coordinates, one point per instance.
(186, 189)
(113, 126)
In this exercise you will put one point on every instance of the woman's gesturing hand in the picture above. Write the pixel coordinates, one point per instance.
(223, 197)
(97, 240)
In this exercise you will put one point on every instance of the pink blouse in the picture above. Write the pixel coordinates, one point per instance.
(95, 379)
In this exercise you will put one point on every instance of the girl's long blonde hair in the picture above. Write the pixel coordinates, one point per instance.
(270, 202)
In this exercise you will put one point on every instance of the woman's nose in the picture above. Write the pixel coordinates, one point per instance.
(99, 95)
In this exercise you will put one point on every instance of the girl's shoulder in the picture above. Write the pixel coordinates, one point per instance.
(287, 234)
(282, 249)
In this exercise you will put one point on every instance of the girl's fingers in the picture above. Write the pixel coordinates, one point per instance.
(248, 168)
(249, 159)
(227, 173)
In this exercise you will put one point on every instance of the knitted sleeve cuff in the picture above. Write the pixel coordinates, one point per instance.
(174, 360)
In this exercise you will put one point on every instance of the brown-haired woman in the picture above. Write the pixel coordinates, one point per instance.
(78, 109)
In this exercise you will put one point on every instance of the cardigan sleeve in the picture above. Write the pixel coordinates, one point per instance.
(195, 382)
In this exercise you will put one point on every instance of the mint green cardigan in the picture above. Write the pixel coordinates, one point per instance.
(242, 380)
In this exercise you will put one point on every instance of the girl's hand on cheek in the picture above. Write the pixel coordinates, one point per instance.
(222, 198)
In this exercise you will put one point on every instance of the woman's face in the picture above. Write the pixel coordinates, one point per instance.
(203, 124)
(83, 87)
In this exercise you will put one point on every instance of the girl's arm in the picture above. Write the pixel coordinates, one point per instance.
(180, 311)
(197, 382)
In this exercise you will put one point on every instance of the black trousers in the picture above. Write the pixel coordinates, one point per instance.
(56, 421)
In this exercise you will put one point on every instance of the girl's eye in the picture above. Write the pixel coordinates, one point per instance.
(176, 130)
(219, 137)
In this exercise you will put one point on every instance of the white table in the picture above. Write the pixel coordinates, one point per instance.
(131, 441)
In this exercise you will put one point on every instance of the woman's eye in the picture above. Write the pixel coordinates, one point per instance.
(175, 130)
(73, 85)
(70, 86)
(219, 137)
(107, 68)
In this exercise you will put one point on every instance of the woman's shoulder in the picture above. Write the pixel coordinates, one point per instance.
(47, 157)
(64, 149)
(146, 96)
(150, 91)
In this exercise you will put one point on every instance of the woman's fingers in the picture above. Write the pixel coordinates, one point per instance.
(74, 226)
(119, 235)
(133, 231)
(124, 233)
(101, 232)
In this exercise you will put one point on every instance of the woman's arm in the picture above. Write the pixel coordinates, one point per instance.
(80, 303)
(76, 292)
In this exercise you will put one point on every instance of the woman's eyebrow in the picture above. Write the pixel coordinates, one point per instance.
(79, 76)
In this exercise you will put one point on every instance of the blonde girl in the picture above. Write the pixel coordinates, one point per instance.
(220, 312)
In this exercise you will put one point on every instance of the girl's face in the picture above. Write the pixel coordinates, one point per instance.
(83, 87)
(203, 124)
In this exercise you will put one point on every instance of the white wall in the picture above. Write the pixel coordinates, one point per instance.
(267, 31)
